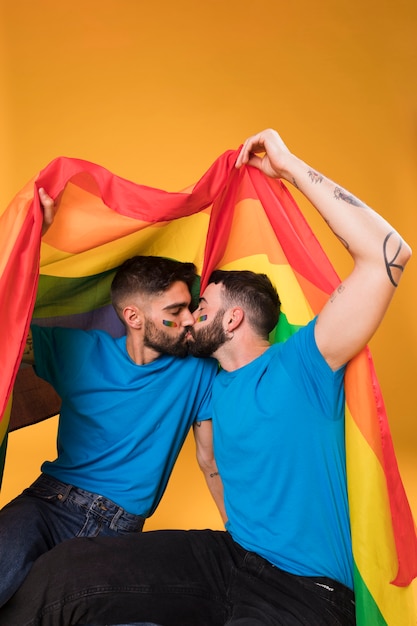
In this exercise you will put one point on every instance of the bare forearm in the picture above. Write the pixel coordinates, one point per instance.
(215, 485)
(367, 236)
(203, 435)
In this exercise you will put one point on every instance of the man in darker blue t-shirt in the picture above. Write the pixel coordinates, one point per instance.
(127, 406)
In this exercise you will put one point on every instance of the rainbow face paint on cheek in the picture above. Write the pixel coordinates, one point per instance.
(202, 318)
(168, 323)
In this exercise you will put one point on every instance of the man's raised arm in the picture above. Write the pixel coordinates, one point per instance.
(356, 308)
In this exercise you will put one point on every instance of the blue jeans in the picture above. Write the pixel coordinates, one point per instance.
(174, 578)
(47, 513)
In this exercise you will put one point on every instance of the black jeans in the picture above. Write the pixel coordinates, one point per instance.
(174, 578)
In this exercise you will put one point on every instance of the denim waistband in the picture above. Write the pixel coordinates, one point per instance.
(97, 504)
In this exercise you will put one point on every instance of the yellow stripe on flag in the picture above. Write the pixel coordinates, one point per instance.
(372, 537)
(183, 240)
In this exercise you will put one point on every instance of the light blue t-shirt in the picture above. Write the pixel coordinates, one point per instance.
(121, 425)
(279, 443)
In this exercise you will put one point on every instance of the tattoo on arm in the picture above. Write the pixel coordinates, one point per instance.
(341, 194)
(390, 263)
(315, 177)
(213, 474)
(336, 292)
(294, 182)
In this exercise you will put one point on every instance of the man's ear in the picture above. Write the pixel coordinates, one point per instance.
(133, 317)
(234, 318)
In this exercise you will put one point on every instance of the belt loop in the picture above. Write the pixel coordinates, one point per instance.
(63, 496)
(116, 516)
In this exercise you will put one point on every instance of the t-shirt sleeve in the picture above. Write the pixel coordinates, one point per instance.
(210, 369)
(59, 353)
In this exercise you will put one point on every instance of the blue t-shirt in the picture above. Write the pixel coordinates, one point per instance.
(121, 425)
(279, 443)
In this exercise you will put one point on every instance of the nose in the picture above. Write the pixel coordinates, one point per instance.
(188, 318)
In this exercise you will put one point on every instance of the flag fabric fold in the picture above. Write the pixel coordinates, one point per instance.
(230, 219)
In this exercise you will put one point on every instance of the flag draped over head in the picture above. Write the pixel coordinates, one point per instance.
(230, 219)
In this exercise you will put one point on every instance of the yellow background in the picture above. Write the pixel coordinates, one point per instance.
(155, 91)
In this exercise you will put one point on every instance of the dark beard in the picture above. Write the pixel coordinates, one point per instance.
(162, 342)
(209, 338)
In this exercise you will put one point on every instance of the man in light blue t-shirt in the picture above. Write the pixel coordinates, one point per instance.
(127, 406)
(278, 431)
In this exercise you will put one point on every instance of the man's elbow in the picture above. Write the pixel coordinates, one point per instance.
(206, 463)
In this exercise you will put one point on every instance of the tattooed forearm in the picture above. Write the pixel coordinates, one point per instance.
(315, 177)
(341, 194)
(213, 474)
(390, 263)
(294, 182)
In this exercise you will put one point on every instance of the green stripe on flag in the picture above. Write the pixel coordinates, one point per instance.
(68, 296)
(367, 611)
(283, 330)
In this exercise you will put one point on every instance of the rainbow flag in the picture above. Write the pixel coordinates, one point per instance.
(230, 219)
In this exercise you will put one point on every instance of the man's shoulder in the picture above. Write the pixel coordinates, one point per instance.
(296, 344)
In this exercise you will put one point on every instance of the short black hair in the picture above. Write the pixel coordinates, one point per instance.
(254, 293)
(149, 275)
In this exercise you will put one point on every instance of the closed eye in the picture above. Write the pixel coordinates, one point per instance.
(177, 309)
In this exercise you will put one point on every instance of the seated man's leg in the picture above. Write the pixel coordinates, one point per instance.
(29, 527)
(21, 542)
(174, 578)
